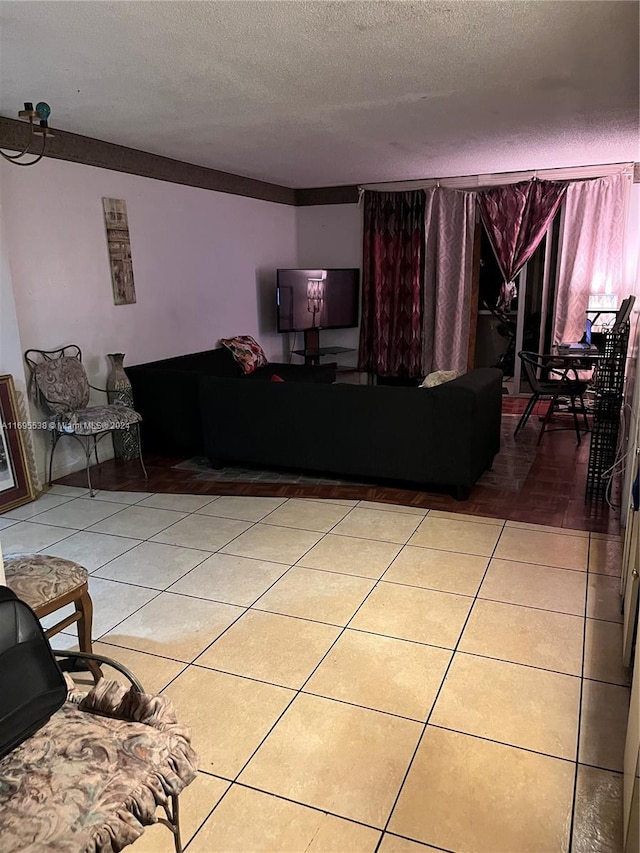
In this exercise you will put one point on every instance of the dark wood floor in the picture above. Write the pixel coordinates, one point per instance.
(550, 492)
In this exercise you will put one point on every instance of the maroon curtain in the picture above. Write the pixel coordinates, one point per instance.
(392, 283)
(516, 217)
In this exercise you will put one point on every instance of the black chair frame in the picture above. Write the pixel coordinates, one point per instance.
(89, 443)
(568, 385)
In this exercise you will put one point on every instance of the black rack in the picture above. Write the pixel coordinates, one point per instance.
(609, 391)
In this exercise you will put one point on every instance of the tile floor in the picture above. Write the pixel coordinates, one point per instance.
(357, 676)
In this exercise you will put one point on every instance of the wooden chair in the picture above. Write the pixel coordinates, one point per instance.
(48, 584)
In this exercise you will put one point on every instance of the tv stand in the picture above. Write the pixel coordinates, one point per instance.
(312, 349)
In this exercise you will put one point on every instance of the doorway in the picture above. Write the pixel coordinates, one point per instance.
(528, 325)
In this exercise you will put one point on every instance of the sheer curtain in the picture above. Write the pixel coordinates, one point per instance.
(590, 259)
(449, 226)
(392, 283)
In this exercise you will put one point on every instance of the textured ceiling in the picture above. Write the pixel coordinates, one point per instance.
(321, 93)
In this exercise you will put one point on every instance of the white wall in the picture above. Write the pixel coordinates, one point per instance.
(10, 346)
(203, 265)
(330, 235)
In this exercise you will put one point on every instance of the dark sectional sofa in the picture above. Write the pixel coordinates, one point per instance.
(166, 393)
(432, 437)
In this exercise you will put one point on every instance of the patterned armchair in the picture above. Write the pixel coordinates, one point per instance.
(93, 776)
(59, 383)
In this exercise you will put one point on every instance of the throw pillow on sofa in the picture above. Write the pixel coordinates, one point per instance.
(246, 351)
(439, 377)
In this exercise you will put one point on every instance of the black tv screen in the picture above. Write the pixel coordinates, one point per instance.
(317, 299)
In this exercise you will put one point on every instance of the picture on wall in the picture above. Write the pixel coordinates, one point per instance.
(119, 244)
(16, 487)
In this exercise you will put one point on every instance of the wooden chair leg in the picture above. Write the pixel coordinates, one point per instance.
(84, 609)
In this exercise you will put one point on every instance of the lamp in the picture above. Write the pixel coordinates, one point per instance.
(38, 119)
(315, 295)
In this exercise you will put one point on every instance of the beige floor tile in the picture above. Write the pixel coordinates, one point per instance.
(69, 491)
(27, 536)
(228, 716)
(603, 725)
(113, 602)
(535, 586)
(598, 815)
(513, 704)
(307, 515)
(201, 531)
(120, 496)
(174, 625)
(248, 821)
(91, 550)
(136, 521)
(274, 544)
(242, 508)
(311, 594)
(234, 580)
(523, 635)
(339, 501)
(603, 652)
(78, 513)
(605, 556)
(603, 598)
(350, 556)
(473, 796)
(152, 671)
(393, 844)
(179, 503)
(196, 803)
(462, 516)
(152, 564)
(547, 528)
(381, 673)
(336, 757)
(376, 524)
(448, 534)
(383, 507)
(278, 649)
(559, 550)
(434, 569)
(43, 503)
(411, 613)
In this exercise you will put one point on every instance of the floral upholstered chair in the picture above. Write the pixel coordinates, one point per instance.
(59, 383)
(93, 776)
(48, 584)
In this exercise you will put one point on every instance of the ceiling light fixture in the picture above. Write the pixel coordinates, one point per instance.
(38, 119)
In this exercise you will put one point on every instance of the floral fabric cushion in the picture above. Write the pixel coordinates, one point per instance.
(62, 384)
(91, 779)
(40, 578)
(246, 351)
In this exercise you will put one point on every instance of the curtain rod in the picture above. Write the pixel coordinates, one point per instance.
(473, 182)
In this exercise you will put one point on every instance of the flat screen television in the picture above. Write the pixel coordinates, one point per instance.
(317, 299)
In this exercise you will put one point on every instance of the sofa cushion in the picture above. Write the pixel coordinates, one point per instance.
(246, 351)
(438, 377)
(215, 362)
(323, 373)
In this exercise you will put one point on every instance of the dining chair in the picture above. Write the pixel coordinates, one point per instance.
(58, 381)
(47, 584)
(566, 384)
